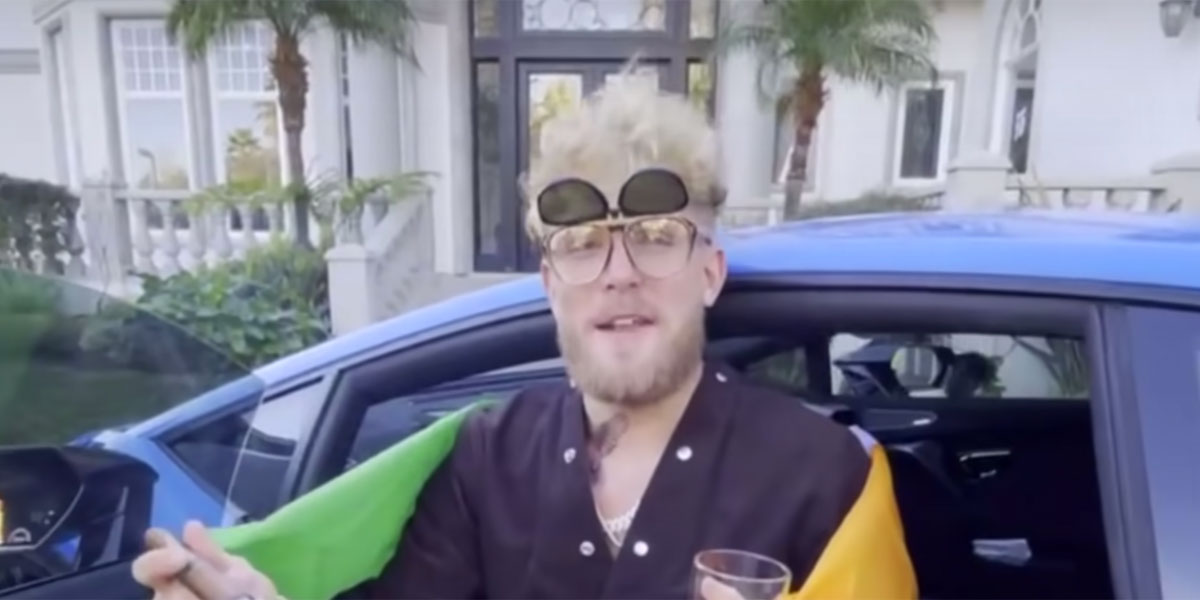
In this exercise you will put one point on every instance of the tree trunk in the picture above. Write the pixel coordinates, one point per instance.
(291, 75)
(808, 98)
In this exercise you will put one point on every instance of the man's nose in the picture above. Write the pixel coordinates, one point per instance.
(620, 272)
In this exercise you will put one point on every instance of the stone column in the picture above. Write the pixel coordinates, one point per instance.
(977, 175)
(745, 124)
(1180, 175)
(980, 94)
(352, 303)
(374, 110)
(976, 181)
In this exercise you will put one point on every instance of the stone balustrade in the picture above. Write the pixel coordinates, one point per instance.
(381, 275)
(1146, 194)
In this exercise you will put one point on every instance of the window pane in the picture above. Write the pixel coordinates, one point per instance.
(485, 18)
(248, 141)
(922, 133)
(270, 433)
(389, 422)
(78, 372)
(703, 18)
(549, 94)
(153, 132)
(787, 370)
(650, 73)
(959, 365)
(487, 157)
(1018, 152)
(594, 15)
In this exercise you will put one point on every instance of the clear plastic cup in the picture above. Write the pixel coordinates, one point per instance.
(738, 575)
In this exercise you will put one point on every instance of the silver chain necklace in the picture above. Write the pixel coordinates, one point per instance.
(616, 527)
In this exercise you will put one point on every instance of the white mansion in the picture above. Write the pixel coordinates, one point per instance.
(1073, 95)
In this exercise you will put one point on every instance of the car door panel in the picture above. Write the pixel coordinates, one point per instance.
(971, 479)
(113, 581)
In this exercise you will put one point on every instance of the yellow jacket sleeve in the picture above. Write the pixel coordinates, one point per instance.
(866, 558)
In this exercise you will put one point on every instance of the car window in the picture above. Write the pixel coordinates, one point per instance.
(786, 370)
(83, 377)
(389, 422)
(258, 442)
(958, 365)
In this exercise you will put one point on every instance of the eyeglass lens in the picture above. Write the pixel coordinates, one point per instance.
(657, 247)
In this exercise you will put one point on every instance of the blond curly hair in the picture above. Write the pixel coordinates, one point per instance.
(627, 125)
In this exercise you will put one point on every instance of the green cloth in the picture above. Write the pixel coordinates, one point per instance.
(344, 532)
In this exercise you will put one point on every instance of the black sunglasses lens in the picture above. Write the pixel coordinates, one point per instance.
(570, 202)
(653, 193)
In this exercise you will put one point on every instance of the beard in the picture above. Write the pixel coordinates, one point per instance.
(641, 382)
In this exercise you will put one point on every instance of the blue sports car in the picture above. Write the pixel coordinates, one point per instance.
(1034, 376)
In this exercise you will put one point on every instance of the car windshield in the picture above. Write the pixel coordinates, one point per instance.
(88, 385)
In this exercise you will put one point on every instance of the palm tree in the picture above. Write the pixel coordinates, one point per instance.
(375, 21)
(874, 42)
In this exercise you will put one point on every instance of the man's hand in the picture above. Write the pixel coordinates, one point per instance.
(212, 573)
(711, 589)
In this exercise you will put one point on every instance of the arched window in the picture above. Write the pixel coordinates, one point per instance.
(1018, 76)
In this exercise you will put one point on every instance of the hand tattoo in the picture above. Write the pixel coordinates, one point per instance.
(603, 441)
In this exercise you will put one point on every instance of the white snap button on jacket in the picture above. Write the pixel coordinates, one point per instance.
(684, 453)
(587, 548)
(722, 378)
(569, 455)
(641, 548)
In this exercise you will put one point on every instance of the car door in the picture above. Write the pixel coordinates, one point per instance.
(81, 375)
(972, 473)
(1156, 353)
(994, 462)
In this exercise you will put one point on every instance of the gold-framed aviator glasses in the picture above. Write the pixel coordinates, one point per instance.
(658, 247)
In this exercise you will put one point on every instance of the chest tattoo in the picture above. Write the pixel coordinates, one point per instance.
(603, 441)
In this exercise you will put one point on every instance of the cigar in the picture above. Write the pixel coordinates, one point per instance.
(203, 579)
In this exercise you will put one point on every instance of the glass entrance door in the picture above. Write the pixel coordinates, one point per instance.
(546, 90)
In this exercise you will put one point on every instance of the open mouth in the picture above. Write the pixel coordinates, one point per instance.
(624, 323)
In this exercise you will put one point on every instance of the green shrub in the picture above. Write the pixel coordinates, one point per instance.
(273, 303)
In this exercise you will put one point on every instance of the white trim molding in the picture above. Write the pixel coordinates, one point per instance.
(951, 106)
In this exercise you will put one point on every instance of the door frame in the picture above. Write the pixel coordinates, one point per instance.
(511, 46)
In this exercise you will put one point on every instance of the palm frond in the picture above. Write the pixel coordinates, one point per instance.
(199, 22)
(385, 22)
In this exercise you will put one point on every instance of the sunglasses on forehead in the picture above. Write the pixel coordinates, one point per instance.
(573, 201)
(657, 242)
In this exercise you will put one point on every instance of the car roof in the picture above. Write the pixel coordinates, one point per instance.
(1103, 247)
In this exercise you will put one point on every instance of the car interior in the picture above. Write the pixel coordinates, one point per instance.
(998, 491)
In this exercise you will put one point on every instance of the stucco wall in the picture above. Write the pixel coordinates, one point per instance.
(1115, 95)
(26, 148)
(856, 130)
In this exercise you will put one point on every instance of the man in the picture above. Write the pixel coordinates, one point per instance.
(610, 485)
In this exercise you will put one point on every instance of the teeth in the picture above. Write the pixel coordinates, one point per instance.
(625, 322)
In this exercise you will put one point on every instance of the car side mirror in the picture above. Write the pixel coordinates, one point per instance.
(919, 367)
(64, 509)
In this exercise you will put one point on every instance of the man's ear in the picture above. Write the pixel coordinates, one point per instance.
(716, 271)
